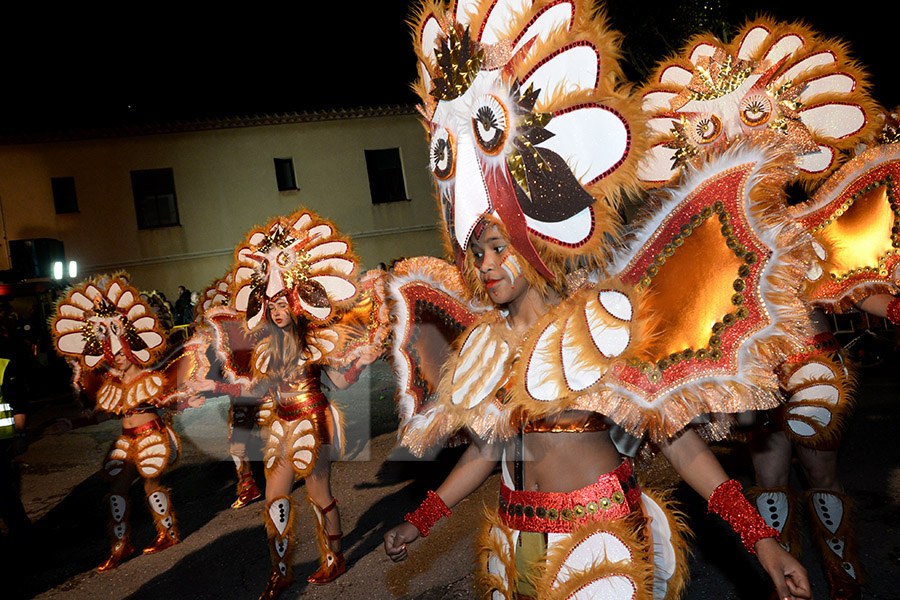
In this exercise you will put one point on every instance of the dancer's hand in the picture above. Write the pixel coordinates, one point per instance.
(396, 540)
(788, 575)
(201, 385)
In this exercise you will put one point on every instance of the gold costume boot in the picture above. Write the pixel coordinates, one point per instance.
(166, 530)
(279, 519)
(119, 530)
(831, 526)
(247, 490)
(333, 564)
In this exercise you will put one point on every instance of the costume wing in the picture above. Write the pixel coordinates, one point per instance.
(365, 327)
(855, 219)
(224, 330)
(430, 309)
(718, 265)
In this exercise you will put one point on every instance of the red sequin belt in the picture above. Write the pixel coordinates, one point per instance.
(154, 425)
(612, 497)
(311, 403)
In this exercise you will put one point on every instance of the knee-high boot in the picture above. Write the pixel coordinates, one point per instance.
(279, 518)
(247, 490)
(778, 507)
(164, 518)
(119, 532)
(332, 561)
(831, 525)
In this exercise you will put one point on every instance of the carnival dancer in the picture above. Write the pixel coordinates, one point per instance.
(102, 326)
(530, 144)
(292, 281)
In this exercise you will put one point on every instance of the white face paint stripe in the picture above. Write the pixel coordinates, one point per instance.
(511, 267)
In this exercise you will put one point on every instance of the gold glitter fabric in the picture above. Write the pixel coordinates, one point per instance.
(855, 219)
(782, 82)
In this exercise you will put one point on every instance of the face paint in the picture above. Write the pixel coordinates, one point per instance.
(511, 267)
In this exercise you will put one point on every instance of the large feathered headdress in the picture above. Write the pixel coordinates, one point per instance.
(525, 124)
(774, 79)
(300, 257)
(98, 318)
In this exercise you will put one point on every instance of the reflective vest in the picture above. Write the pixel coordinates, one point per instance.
(7, 422)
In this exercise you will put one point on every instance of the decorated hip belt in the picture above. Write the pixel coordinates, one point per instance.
(154, 425)
(613, 496)
(291, 409)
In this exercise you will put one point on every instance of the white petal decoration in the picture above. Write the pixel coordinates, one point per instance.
(817, 162)
(304, 457)
(538, 379)
(471, 197)
(617, 304)
(822, 392)
(592, 140)
(81, 301)
(499, 18)
(71, 343)
(341, 265)
(834, 120)
(546, 22)
(92, 361)
(113, 293)
(813, 61)
(255, 240)
(144, 323)
(610, 587)
(752, 41)
(700, 50)
(574, 69)
(316, 312)
(338, 288)
(820, 415)
(657, 100)
(657, 164)
(136, 311)
(302, 221)
(320, 231)
(151, 338)
(277, 428)
(819, 250)
(575, 230)
(68, 325)
(815, 272)
(125, 300)
(784, 47)
(332, 248)
(675, 75)
(464, 8)
(828, 504)
(580, 373)
(431, 31)
(808, 372)
(307, 441)
(835, 83)
(68, 310)
(142, 355)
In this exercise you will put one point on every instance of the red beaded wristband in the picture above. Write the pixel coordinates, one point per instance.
(429, 512)
(728, 502)
(893, 311)
(227, 389)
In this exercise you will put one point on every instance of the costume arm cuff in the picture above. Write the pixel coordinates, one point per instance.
(227, 389)
(728, 502)
(429, 512)
(893, 311)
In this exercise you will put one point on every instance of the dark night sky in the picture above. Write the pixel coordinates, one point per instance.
(76, 68)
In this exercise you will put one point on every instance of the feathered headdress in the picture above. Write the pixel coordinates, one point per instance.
(525, 124)
(98, 318)
(300, 257)
(774, 79)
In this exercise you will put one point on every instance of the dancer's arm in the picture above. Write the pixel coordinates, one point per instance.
(877, 305)
(474, 467)
(698, 466)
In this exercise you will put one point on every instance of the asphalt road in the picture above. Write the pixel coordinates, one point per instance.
(224, 555)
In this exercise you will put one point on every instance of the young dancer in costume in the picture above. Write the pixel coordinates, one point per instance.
(105, 326)
(292, 281)
(527, 132)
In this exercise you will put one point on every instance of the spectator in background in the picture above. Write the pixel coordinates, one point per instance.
(13, 401)
(184, 309)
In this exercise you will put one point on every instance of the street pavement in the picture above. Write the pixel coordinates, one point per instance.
(224, 555)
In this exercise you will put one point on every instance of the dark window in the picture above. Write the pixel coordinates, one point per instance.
(385, 175)
(284, 174)
(154, 198)
(64, 194)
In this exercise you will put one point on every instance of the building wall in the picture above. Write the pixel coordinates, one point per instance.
(225, 184)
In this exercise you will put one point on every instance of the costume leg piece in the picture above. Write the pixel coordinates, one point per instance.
(247, 490)
(333, 564)
(119, 530)
(832, 529)
(778, 508)
(279, 518)
(164, 517)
